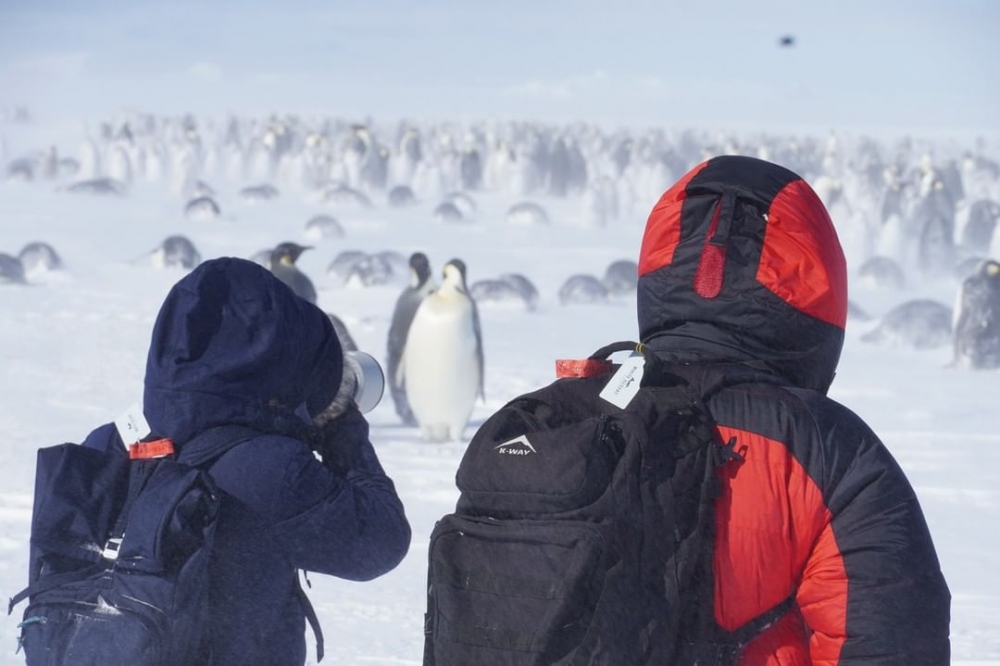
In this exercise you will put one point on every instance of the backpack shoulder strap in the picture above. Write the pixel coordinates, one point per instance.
(725, 648)
(624, 345)
(197, 452)
(52, 582)
(210, 444)
(310, 613)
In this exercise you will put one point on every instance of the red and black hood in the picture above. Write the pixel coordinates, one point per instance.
(740, 262)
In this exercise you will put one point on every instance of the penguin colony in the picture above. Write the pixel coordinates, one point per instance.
(916, 220)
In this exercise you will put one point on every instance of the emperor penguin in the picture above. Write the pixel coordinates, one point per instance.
(283, 258)
(175, 251)
(442, 364)
(977, 319)
(421, 284)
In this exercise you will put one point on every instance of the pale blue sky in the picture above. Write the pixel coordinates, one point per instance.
(859, 64)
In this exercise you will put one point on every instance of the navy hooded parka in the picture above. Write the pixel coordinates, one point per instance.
(232, 345)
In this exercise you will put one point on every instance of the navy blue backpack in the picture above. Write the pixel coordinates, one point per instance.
(118, 570)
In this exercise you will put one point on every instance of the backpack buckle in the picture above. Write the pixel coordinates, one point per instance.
(111, 548)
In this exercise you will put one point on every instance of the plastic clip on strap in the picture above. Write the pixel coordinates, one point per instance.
(36, 619)
(111, 548)
(139, 473)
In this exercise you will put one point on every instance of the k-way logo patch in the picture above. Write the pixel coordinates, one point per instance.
(519, 446)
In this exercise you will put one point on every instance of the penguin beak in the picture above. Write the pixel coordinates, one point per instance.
(298, 253)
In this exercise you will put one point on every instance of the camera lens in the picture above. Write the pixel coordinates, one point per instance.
(370, 382)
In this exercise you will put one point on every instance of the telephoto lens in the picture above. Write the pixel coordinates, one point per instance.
(369, 379)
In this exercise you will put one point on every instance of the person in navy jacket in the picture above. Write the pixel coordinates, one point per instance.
(233, 346)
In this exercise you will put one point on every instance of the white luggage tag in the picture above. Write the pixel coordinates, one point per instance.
(132, 426)
(624, 384)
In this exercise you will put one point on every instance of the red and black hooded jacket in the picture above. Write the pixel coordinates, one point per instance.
(740, 267)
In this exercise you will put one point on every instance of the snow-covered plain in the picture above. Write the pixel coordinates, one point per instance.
(73, 346)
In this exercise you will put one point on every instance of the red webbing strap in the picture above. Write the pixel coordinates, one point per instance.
(158, 448)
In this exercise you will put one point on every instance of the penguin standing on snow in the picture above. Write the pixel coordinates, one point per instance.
(977, 319)
(421, 284)
(442, 364)
(283, 258)
(282, 264)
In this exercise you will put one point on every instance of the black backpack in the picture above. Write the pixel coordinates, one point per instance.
(584, 532)
(118, 570)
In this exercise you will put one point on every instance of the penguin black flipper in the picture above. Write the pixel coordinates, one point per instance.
(403, 313)
(406, 309)
(347, 342)
(477, 329)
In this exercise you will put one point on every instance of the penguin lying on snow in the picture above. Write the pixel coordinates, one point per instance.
(38, 256)
(508, 288)
(918, 324)
(357, 269)
(323, 226)
(582, 288)
(202, 208)
(174, 252)
(442, 363)
(258, 193)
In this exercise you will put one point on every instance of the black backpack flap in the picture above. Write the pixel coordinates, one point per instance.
(548, 451)
(78, 493)
(565, 401)
(172, 518)
(520, 592)
(536, 471)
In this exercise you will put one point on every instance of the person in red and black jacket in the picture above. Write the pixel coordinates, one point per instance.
(740, 267)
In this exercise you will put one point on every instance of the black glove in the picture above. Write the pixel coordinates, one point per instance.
(344, 446)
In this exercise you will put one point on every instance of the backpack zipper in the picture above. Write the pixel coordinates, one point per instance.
(605, 431)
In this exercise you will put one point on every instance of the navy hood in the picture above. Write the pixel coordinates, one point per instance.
(232, 344)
